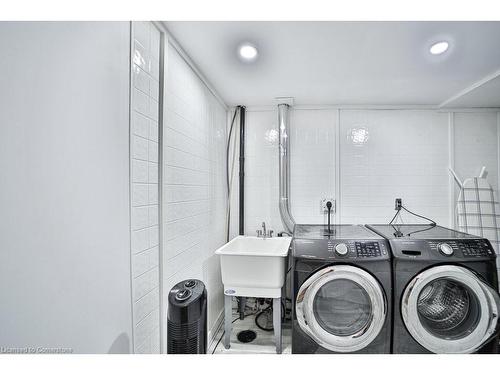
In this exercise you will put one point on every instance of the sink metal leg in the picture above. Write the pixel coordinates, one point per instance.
(228, 317)
(277, 323)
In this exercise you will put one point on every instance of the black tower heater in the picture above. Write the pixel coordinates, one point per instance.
(187, 318)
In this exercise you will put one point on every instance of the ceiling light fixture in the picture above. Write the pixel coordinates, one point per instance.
(247, 52)
(439, 48)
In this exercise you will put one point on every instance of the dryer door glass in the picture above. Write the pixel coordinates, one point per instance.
(342, 308)
(448, 309)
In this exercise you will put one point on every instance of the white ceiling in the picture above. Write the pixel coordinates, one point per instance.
(347, 63)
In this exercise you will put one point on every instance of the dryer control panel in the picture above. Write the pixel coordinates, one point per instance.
(467, 248)
(340, 249)
(442, 249)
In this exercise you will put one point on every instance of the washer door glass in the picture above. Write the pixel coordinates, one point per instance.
(448, 309)
(342, 308)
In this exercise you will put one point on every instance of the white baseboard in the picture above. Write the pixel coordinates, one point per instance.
(214, 330)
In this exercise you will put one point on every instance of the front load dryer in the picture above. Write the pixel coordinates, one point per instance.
(445, 290)
(341, 290)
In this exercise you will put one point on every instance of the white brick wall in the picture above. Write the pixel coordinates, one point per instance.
(194, 133)
(144, 141)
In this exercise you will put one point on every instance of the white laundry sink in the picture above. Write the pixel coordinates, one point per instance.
(254, 266)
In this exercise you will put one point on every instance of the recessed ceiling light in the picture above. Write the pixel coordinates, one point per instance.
(247, 52)
(439, 48)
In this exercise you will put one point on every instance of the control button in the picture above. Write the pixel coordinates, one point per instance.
(183, 294)
(445, 249)
(341, 249)
(190, 283)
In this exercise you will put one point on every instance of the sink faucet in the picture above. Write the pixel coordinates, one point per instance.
(263, 232)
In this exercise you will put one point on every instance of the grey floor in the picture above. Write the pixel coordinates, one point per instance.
(263, 344)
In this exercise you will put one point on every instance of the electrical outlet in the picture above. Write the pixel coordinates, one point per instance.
(398, 204)
(322, 205)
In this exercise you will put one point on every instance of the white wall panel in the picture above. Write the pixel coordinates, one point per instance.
(194, 198)
(406, 156)
(144, 144)
(261, 173)
(312, 161)
(476, 145)
(64, 190)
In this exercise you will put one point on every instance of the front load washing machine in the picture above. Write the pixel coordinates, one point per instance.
(445, 290)
(341, 290)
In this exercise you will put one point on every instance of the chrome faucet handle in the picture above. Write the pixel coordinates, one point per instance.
(271, 232)
(259, 233)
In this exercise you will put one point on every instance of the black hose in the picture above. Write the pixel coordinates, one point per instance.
(257, 318)
(270, 307)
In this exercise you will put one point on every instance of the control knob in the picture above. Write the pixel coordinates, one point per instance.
(341, 249)
(445, 249)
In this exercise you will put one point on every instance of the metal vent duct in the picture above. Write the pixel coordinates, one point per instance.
(284, 167)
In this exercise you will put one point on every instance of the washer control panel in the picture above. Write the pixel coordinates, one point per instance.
(369, 249)
(339, 249)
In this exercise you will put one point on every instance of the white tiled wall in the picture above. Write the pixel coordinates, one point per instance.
(476, 145)
(144, 187)
(407, 155)
(312, 161)
(312, 148)
(261, 173)
(194, 200)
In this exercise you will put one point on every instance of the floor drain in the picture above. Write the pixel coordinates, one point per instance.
(246, 336)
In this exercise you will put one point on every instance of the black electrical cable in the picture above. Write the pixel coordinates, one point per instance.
(397, 232)
(229, 144)
(433, 223)
(329, 207)
(227, 171)
(421, 230)
(395, 216)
